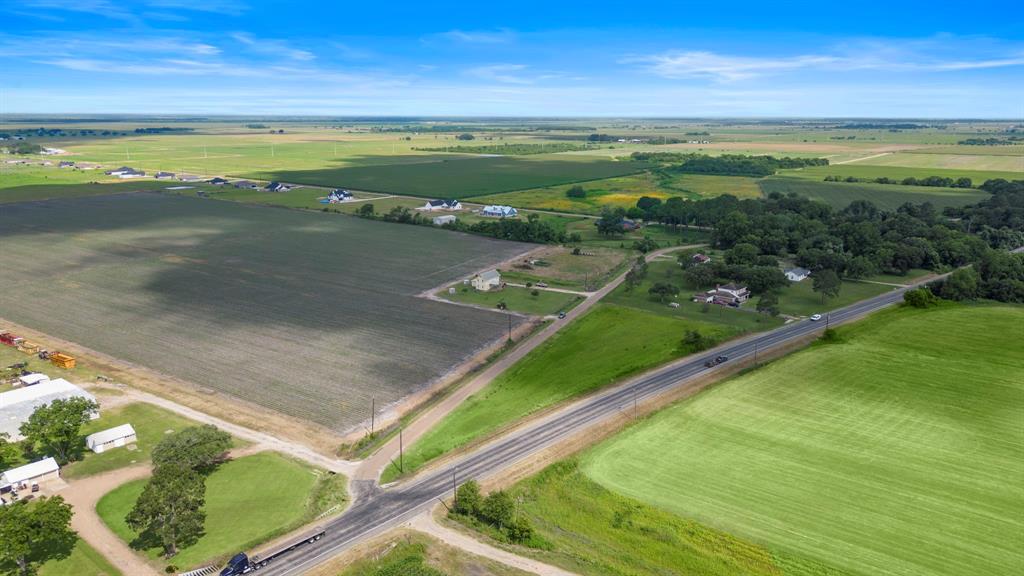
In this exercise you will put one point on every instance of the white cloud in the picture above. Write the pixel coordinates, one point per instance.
(272, 47)
(506, 73)
(499, 36)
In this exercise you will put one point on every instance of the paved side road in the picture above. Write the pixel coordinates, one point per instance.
(383, 510)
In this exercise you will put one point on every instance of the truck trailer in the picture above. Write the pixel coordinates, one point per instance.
(241, 563)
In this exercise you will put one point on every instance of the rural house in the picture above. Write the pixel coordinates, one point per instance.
(277, 187)
(218, 181)
(245, 184)
(339, 195)
(727, 295)
(22, 477)
(125, 172)
(797, 274)
(17, 405)
(485, 281)
(499, 211)
(164, 176)
(32, 379)
(66, 164)
(115, 437)
(442, 220)
(701, 258)
(433, 205)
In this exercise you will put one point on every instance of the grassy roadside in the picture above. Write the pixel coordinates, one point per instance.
(606, 345)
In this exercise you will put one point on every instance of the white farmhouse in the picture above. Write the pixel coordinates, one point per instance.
(797, 274)
(485, 281)
(433, 205)
(115, 437)
(499, 211)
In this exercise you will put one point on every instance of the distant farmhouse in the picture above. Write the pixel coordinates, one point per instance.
(727, 295)
(339, 195)
(164, 176)
(797, 274)
(66, 164)
(125, 172)
(434, 205)
(245, 184)
(485, 281)
(701, 258)
(218, 181)
(277, 187)
(499, 212)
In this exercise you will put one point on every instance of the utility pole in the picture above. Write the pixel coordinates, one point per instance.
(510, 328)
(828, 315)
(455, 491)
(373, 414)
(755, 352)
(401, 451)
(635, 411)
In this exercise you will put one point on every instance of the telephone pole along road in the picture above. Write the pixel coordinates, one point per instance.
(387, 509)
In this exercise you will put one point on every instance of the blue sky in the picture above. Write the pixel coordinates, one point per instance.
(867, 59)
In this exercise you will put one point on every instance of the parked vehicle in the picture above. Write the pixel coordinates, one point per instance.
(815, 317)
(242, 564)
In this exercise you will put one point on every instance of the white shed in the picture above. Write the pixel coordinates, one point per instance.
(115, 437)
(34, 473)
(484, 281)
(33, 378)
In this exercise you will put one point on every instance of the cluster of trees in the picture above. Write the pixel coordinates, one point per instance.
(938, 181)
(998, 219)
(533, 229)
(884, 126)
(576, 191)
(728, 164)
(55, 429)
(23, 148)
(602, 138)
(169, 512)
(991, 141)
(512, 149)
(257, 126)
(465, 136)
(43, 132)
(497, 510)
(162, 130)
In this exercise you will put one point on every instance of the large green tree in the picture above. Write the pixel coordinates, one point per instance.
(8, 451)
(33, 532)
(197, 448)
(55, 428)
(827, 283)
(170, 509)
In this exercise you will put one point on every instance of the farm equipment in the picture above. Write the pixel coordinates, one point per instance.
(44, 354)
(242, 564)
(29, 347)
(61, 360)
(10, 339)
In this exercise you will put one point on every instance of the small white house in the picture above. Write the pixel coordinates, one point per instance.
(115, 437)
(485, 281)
(499, 211)
(797, 274)
(33, 379)
(442, 220)
(434, 205)
(35, 473)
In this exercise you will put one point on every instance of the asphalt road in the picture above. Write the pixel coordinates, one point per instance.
(389, 508)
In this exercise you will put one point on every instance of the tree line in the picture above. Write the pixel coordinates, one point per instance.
(1008, 141)
(727, 164)
(532, 229)
(511, 149)
(938, 181)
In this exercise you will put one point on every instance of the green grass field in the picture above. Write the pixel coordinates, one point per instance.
(896, 451)
(461, 178)
(517, 299)
(800, 299)
(975, 162)
(151, 425)
(864, 170)
(596, 532)
(273, 495)
(83, 560)
(606, 345)
(624, 191)
(885, 196)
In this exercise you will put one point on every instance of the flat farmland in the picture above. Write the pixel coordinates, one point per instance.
(305, 313)
(865, 170)
(885, 196)
(898, 450)
(461, 177)
(994, 162)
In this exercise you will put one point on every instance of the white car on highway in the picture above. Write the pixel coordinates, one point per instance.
(815, 317)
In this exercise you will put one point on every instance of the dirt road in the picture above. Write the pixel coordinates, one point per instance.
(372, 467)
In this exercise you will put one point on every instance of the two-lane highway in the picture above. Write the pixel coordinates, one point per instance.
(399, 504)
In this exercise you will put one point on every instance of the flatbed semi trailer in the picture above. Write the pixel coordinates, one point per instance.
(241, 563)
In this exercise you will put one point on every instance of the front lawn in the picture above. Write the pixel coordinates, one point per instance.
(248, 501)
(84, 560)
(800, 299)
(516, 298)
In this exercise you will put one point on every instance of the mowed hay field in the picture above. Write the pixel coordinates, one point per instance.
(839, 195)
(996, 162)
(461, 177)
(899, 450)
(307, 313)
